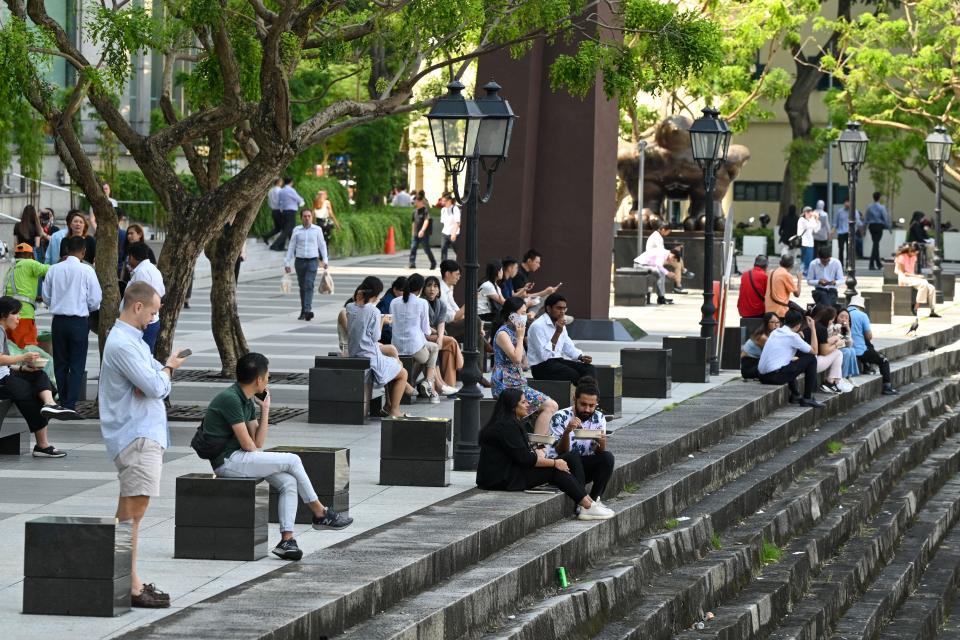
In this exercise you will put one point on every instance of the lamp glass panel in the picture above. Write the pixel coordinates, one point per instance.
(436, 132)
(472, 126)
(704, 145)
(453, 136)
(491, 139)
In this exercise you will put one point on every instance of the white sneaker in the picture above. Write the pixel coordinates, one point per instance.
(448, 390)
(434, 396)
(845, 385)
(596, 512)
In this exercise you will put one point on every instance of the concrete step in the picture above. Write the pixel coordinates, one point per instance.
(382, 567)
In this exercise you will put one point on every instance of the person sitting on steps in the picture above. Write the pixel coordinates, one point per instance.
(785, 356)
(507, 462)
(862, 334)
(550, 351)
(230, 418)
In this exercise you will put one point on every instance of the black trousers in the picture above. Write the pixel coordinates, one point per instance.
(748, 367)
(596, 468)
(870, 356)
(425, 243)
(876, 232)
(842, 240)
(825, 295)
(23, 388)
(277, 224)
(288, 220)
(567, 482)
(561, 369)
(70, 341)
(805, 364)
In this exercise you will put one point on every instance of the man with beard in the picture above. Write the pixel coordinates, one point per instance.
(588, 459)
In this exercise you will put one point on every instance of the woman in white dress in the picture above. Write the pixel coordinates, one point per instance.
(323, 210)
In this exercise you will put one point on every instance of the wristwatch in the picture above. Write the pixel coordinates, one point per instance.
(166, 366)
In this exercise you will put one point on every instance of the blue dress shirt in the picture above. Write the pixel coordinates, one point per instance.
(126, 415)
(288, 199)
(833, 273)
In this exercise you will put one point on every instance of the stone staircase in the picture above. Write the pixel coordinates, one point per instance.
(775, 520)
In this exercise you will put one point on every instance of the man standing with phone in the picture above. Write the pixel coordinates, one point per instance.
(133, 419)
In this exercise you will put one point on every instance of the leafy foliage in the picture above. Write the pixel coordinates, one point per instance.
(374, 148)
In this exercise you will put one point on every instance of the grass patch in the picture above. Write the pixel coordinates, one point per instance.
(671, 524)
(770, 553)
(670, 407)
(842, 490)
(631, 487)
(834, 447)
(715, 542)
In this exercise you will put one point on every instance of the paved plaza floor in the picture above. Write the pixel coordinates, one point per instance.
(84, 483)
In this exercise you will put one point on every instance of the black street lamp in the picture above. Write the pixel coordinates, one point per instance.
(475, 133)
(709, 141)
(853, 152)
(938, 144)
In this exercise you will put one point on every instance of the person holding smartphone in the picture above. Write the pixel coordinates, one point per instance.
(231, 418)
(508, 358)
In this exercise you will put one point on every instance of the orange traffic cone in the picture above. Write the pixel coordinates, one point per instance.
(390, 246)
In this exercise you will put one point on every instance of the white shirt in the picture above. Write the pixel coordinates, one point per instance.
(780, 348)
(273, 198)
(539, 345)
(486, 290)
(147, 272)
(446, 295)
(70, 288)
(449, 216)
(655, 241)
(411, 324)
(806, 229)
(306, 243)
(323, 212)
(125, 415)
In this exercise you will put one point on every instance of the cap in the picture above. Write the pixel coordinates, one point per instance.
(23, 247)
(857, 301)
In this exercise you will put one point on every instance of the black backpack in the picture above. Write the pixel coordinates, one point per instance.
(207, 446)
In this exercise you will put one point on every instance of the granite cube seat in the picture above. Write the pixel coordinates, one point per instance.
(889, 273)
(879, 306)
(560, 391)
(340, 390)
(733, 339)
(948, 283)
(633, 287)
(412, 369)
(329, 471)
(903, 299)
(610, 381)
(416, 452)
(689, 362)
(751, 324)
(486, 410)
(220, 518)
(78, 566)
(646, 373)
(14, 437)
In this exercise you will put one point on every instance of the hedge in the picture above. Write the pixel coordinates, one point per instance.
(307, 187)
(365, 231)
(739, 233)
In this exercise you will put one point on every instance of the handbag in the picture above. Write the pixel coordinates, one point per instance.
(326, 283)
(207, 447)
(795, 242)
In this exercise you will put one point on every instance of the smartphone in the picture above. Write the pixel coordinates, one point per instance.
(184, 353)
(262, 395)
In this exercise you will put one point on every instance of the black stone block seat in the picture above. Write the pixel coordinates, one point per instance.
(689, 362)
(329, 471)
(14, 438)
(949, 284)
(75, 565)
(610, 382)
(412, 368)
(879, 306)
(416, 451)
(733, 339)
(889, 273)
(341, 390)
(431, 555)
(560, 391)
(633, 287)
(646, 372)
(220, 518)
(903, 299)
(486, 410)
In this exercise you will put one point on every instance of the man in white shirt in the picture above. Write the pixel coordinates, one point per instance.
(142, 270)
(449, 277)
(307, 251)
(449, 223)
(273, 202)
(289, 202)
(661, 230)
(550, 351)
(785, 356)
(72, 292)
(402, 199)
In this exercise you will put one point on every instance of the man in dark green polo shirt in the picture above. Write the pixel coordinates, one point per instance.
(230, 417)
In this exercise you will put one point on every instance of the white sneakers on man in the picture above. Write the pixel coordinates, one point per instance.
(596, 512)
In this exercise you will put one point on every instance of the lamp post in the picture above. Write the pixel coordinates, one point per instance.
(709, 141)
(853, 151)
(475, 134)
(642, 154)
(939, 144)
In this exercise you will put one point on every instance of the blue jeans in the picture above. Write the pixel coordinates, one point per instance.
(421, 242)
(70, 341)
(850, 366)
(150, 335)
(806, 254)
(306, 269)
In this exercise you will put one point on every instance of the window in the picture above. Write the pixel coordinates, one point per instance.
(746, 191)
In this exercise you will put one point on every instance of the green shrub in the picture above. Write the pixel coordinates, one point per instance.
(307, 187)
(365, 231)
(770, 552)
(739, 233)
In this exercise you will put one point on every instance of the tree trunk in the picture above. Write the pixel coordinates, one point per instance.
(797, 107)
(223, 252)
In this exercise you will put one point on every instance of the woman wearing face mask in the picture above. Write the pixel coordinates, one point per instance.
(508, 359)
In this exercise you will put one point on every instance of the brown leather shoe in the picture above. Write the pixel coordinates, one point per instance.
(163, 595)
(148, 599)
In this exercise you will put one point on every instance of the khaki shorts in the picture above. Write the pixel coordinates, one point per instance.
(139, 467)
